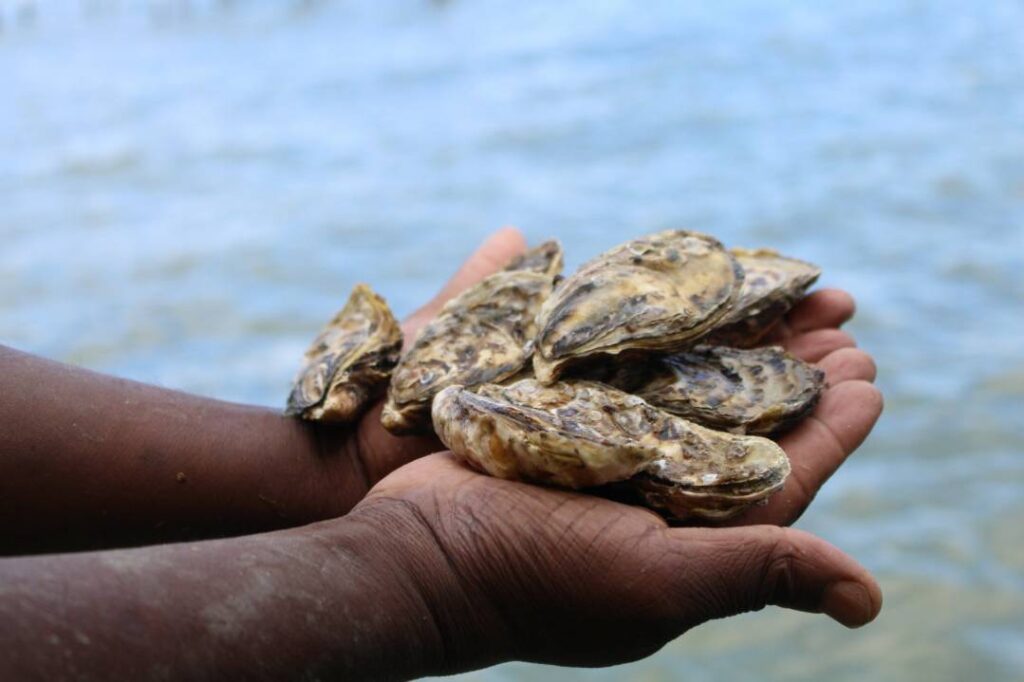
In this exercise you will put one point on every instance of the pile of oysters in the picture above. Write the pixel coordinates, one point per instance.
(642, 370)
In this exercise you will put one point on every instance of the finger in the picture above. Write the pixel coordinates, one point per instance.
(818, 446)
(725, 571)
(825, 309)
(848, 364)
(828, 308)
(378, 452)
(496, 251)
(815, 345)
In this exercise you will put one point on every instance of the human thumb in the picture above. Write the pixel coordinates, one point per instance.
(727, 571)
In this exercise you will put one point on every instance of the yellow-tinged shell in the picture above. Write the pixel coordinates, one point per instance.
(545, 258)
(349, 363)
(758, 391)
(485, 334)
(656, 293)
(579, 434)
(678, 501)
(571, 434)
(772, 285)
(715, 476)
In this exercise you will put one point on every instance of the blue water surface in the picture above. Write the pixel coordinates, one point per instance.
(188, 190)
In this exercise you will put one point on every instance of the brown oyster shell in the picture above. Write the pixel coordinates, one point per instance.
(747, 471)
(758, 391)
(546, 258)
(581, 434)
(656, 293)
(772, 285)
(483, 335)
(349, 363)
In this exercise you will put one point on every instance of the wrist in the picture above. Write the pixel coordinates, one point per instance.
(310, 471)
(370, 622)
(447, 625)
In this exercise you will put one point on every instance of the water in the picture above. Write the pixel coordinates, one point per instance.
(188, 189)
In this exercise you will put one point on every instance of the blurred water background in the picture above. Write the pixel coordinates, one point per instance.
(189, 189)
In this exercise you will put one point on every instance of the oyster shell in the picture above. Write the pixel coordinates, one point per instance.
(483, 335)
(654, 293)
(580, 434)
(714, 476)
(773, 283)
(757, 391)
(545, 258)
(350, 361)
(573, 435)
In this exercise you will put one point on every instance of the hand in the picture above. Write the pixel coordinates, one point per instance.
(511, 571)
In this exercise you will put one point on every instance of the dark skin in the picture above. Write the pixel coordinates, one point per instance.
(429, 567)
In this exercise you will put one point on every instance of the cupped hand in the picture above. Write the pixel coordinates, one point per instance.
(511, 571)
(847, 412)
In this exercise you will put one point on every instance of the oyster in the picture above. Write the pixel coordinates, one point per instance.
(757, 391)
(483, 335)
(581, 434)
(573, 435)
(773, 283)
(713, 476)
(544, 258)
(658, 292)
(350, 362)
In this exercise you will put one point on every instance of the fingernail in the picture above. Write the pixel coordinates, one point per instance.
(849, 603)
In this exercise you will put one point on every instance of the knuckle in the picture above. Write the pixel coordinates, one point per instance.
(838, 337)
(870, 370)
(779, 568)
(859, 364)
(847, 301)
(801, 491)
(866, 395)
(876, 399)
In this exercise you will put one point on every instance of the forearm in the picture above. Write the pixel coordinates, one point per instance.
(88, 460)
(312, 603)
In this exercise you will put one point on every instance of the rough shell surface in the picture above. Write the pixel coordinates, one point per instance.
(712, 475)
(350, 362)
(680, 502)
(580, 434)
(485, 334)
(658, 292)
(546, 258)
(772, 285)
(758, 391)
